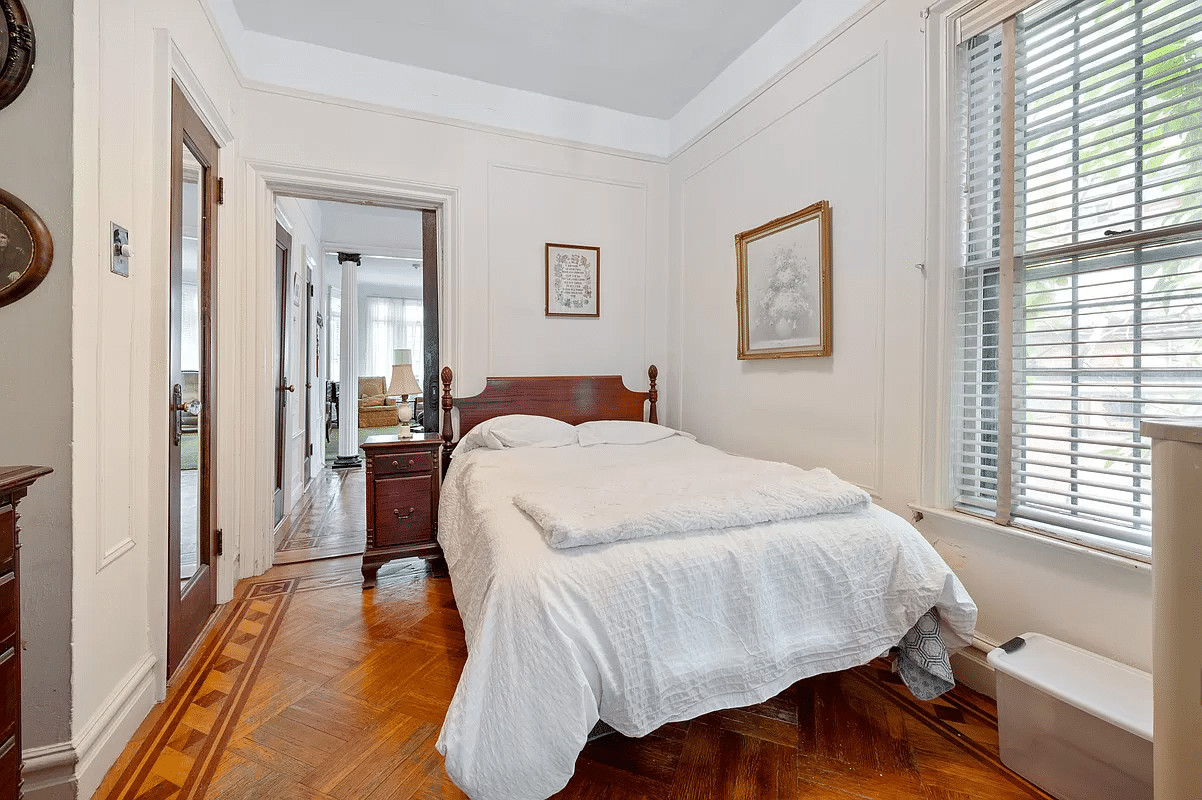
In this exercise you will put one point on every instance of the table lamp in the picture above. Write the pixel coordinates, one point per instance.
(403, 383)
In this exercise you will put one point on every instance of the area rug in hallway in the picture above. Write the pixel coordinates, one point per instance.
(308, 687)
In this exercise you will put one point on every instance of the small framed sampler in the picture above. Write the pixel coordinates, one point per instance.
(573, 281)
(784, 286)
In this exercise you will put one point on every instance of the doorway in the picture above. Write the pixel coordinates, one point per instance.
(192, 541)
(371, 314)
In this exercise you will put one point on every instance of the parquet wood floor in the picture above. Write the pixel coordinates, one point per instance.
(329, 520)
(307, 687)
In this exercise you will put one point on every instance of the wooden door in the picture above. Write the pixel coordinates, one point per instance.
(310, 354)
(283, 253)
(192, 540)
(432, 362)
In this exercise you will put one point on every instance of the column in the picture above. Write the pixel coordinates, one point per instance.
(348, 365)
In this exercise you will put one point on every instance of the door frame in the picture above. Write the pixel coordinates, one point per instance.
(264, 181)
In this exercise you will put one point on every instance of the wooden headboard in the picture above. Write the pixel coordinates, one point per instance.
(571, 398)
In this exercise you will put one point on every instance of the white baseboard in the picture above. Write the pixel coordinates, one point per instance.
(973, 670)
(101, 741)
(71, 770)
(49, 772)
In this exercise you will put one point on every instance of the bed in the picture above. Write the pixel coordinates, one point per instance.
(645, 631)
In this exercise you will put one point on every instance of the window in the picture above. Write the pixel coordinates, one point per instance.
(1079, 299)
(393, 323)
(334, 333)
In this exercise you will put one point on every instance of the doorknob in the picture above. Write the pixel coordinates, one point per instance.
(288, 388)
(178, 408)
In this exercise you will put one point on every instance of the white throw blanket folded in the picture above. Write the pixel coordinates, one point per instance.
(687, 496)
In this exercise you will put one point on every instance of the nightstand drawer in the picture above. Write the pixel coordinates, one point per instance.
(402, 463)
(403, 512)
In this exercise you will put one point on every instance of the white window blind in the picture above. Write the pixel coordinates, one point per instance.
(1088, 318)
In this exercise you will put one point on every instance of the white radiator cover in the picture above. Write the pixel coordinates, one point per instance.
(1176, 589)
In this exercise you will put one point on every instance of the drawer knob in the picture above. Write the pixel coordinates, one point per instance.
(396, 512)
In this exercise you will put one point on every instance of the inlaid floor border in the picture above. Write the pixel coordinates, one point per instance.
(162, 767)
(190, 732)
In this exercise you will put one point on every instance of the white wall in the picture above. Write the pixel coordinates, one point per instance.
(36, 388)
(122, 75)
(848, 125)
(567, 193)
(306, 222)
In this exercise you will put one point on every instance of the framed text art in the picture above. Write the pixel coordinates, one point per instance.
(573, 281)
(784, 286)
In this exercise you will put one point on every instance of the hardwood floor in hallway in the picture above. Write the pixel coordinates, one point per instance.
(307, 687)
(329, 520)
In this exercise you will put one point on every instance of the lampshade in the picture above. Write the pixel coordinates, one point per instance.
(403, 382)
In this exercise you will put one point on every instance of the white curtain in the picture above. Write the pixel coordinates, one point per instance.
(393, 323)
(334, 334)
(190, 327)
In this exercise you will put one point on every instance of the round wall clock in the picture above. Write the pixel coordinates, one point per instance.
(26, 249)
(16, 50)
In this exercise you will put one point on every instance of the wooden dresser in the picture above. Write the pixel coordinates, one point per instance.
(403, 480)
(14, 483)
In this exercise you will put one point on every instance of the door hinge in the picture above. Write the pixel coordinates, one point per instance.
(310, 290)
(310, 449)
(221, 191)
(220, 542)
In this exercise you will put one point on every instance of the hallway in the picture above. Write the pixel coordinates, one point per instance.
(330, 520)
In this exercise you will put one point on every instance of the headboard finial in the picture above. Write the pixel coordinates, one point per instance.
(448, 432)
(653, 395)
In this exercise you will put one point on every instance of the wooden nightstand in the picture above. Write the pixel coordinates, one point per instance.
(403, 479)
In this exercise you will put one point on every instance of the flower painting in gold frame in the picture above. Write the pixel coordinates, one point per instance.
(784, 288)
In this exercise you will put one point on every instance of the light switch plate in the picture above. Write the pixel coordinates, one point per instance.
(119, 239)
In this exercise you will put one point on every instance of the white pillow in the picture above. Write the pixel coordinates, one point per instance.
(517, 430)
(621, 431)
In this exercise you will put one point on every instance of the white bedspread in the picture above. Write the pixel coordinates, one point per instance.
(686, 494)
(654, 630)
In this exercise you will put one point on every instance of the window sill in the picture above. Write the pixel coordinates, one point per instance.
(1131, 562)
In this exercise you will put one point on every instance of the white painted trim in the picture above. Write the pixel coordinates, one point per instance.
(282, 218)
(972, 668)
(783, 73)
(83, 761)
(942, 202)
(194, 90)
(47, 768)
(969, 520)
(115, 552)
(265, 180)
(106, 733)
(328, 247)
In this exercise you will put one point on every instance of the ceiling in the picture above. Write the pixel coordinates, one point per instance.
(646, 57)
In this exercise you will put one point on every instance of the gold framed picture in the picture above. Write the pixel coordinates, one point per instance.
(784, 286)
(573, 281)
